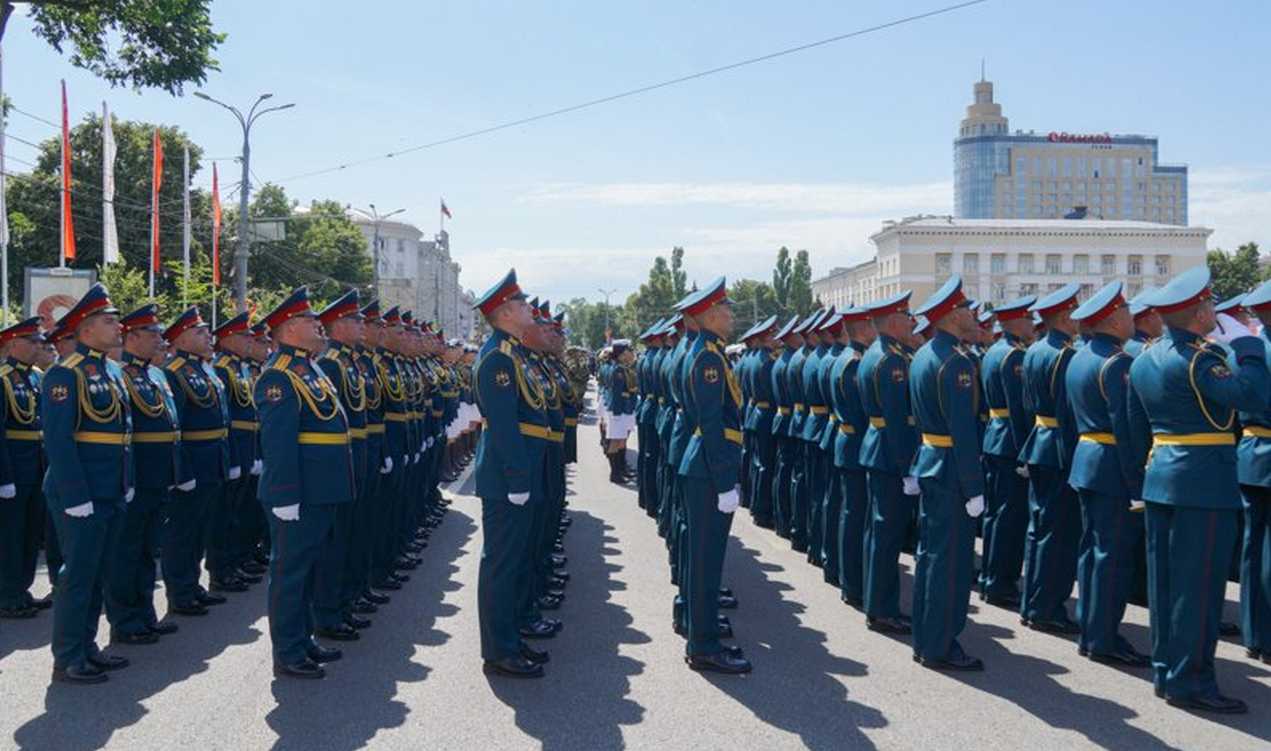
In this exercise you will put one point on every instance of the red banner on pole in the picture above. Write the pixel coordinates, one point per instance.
(156, 183)
(68, 223)
(216, 229)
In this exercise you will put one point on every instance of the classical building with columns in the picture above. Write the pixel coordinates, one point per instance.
(418, 274)
(1001, 259)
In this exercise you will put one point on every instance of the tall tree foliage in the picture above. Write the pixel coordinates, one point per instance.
(1234, 273)
(781, 278)
(799, 297)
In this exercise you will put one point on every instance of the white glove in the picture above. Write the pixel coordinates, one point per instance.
(1022, 471)
(287, 513)
(80, 511)
(1229, 328)
(423, 444)
(975, 506)
(416, 457)
(1137, 505)
(187, 486)
(132, 492)
(430, 441)
(729, 501)
(388, 465)
(258, 466)
(405, 459)
(518, 499)
(911, 486)
(8, 491)
(235, 473)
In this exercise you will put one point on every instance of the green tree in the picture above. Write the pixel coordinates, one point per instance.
(34, 199)
(799, 294)
(162, 44)
(679, 278)
(781, 279)
(1234, 273)
(753, 301)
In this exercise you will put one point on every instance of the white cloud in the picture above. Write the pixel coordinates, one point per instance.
(1235, 202)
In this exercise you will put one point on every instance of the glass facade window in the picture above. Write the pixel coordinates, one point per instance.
(1108, 265)
(971, 263)
(1134, 266)
(1054, 263)
(998, 263)
(1025, 263)
(1052, 167)
(1027, 288)
(1162, 265)
(1067, 166)
(1081, 264)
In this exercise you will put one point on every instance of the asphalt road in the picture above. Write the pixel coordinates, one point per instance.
(616, 678)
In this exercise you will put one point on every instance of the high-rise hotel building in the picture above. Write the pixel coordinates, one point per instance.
(1027, 175)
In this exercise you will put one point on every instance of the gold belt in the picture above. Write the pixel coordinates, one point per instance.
(571, 422)
(24, 435)
(376, 429)
(763, 405)
(878, 422)
(1253, 431)
(204, 435)
(358, 433)
(846, 429)
(555, 437)
(156, 437)
(1045, 421)
(435, 413)
(785, 411)
(1194, 439)
(1107, 439)
(729, 435)
(250, 425)
(798, 407)
(820, 410)
(535, 431)
(108, 439)
(999, 414)
(396, 417)
(323, 439)
(938, 440)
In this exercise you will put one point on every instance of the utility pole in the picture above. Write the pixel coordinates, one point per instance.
(244, 187)
(607, 293)
(376, 218)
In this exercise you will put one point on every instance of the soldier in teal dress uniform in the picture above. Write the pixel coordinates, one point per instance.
(1107, 474)
(233, 338)
(87, 432)
(849, 483)
(1253, 457)
(308, 475)
(823, 548)
(815, 462)
(1188, 390)
(1148, 326)
(782, 422)
(757, 383)
(21, 468)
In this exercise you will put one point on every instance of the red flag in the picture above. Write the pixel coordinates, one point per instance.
(216, 229)
(445, 210)
(156, 182)
(68, 223)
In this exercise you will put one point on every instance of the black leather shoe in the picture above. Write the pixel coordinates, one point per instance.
(513, 667)
(389, 584)
(363, 607)
(194, 608)
(1253, 653)
(28, 611)
(855, 602)
(342, 632)
(1125, 657)
(1010, 602)
(142, 637)
(399, 577)
(207, 598)
(306, 668)
(727, 603)
(536, 656)
(41, 603)
(253, 568)
(559, 561)
(247, 578)
(1217, 704)
(1227, 628)
(354, 621)
(959, 662)
(539, 630)
(318, 653)
(163, 628)
(1055, 627)
(548, 603)
(888, 625)
(562, 575)
(103, 661)
(722, 662)
(84, 674)
(557, 593)
(377, 598)
(228, 585)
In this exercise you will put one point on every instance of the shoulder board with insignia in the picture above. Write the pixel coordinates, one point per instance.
(71, 360)
(175, 364)
(223, 361)
(281, 363)
(506, 347)
(5, 370)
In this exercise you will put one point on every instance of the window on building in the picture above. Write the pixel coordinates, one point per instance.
(997, 264)
(971, 263)
(1133, 288)
(401, 268)
(944, 263)
(401, 245)
(1052, 167)
(1081, 264)
(1052, 287)
(1028, 288)
(1067, 166)
(1025, 263)
(1108, 265)
(1134, 266)
(1021, 166)
(1162, 265)
(1085, 292)
(1054, 263)
(998, 292)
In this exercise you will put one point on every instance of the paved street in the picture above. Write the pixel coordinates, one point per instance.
(616, 678)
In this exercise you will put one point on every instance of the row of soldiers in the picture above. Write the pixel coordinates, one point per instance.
(308, 446)
(1089, 441)
(530, 405)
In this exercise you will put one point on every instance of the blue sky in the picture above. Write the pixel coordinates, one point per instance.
(812, 150)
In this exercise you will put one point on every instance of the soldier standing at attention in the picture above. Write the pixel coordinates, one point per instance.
(378, 464)
(783, 403)
(1188, 391)
(1006, 515)
(156, 446)
(763, 411)
(849, 484)
(87, 431)
(826, 505)
(1148, 326)
(709, 473)
(1254, 470)
(1054, 527)
(232, 341)
(510, 466)
(308, 474)
(1107, 473)
(21, 469)
(887, 451)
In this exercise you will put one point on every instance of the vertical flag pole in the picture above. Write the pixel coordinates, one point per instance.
(4, 213)
(185, 222)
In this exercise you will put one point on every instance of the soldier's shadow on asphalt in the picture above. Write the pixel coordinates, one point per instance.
(78, 717)
(583, 701)
(797, 685)
(358, 697)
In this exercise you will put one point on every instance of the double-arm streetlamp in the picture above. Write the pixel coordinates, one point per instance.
(240, 254)
(376, 218)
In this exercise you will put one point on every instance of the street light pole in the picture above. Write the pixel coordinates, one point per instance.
(376, 218)
(607, 293)
(244, 188)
